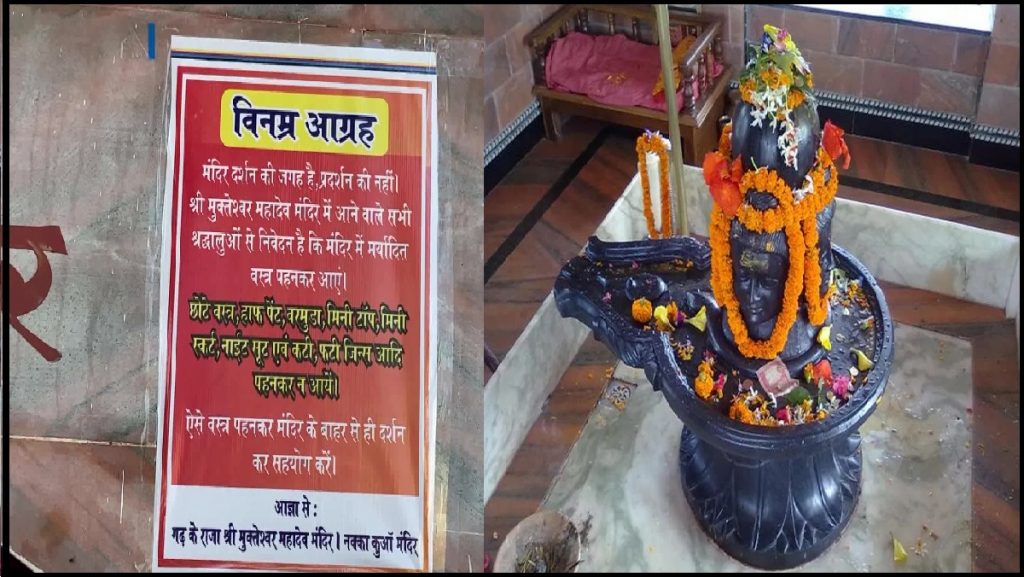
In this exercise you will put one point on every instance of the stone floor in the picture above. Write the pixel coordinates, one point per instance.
(623, 476)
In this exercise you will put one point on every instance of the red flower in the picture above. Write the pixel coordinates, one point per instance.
(823, 371)
(782, 414)
(723, 178)
(720, 383)
(835, 146)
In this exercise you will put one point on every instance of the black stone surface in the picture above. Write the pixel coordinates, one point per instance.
(772, 497)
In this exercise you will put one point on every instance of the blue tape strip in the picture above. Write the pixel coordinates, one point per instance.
(152, 40)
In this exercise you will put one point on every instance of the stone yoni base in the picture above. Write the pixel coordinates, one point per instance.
(772, 514)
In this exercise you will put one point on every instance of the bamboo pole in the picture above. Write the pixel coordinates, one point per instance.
(676, 154)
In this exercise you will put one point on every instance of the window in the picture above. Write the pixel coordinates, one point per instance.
(965, 16)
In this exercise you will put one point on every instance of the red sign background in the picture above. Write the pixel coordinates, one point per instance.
(224, 388)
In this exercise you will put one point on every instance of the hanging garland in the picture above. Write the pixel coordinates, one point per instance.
(652, 142)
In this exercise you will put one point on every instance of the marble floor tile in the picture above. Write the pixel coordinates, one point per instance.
(623, 477)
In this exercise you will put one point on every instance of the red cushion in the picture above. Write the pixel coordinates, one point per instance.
(612, 70)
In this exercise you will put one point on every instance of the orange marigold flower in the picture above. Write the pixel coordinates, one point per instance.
(740, 412)
(673, 312)
(704, 384)
(794, 98)
(642, 311)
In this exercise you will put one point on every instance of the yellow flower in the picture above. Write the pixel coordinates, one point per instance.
(863, 362)
(824, 337)
(685, 352)
(662, 320)
(699, 320)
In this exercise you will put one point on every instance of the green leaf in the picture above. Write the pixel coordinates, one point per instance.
(797, 396)
(785, 61)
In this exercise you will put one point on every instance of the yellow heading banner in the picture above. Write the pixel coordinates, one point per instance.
(304, 122)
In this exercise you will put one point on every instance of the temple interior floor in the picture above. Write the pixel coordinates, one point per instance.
(546, 207)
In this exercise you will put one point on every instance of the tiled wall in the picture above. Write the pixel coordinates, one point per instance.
(1000, 94)
(508, 78)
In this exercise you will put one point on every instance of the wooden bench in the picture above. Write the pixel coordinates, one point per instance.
(699, 114)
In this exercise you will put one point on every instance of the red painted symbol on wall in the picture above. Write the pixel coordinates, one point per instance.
(26, 296)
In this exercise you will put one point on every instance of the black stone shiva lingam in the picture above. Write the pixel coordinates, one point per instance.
(771, 345)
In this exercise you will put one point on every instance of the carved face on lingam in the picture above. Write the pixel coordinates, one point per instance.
(759, 270)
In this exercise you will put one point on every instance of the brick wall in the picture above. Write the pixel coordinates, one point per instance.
(1000, 94)
(731, 16)
(966, 73)
(902, 63)
(508, 76)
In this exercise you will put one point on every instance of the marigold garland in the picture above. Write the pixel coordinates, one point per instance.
(800, 225)
(653, 143)
(817, 303)
(721, 284)
(798, 220)
(772, 219)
